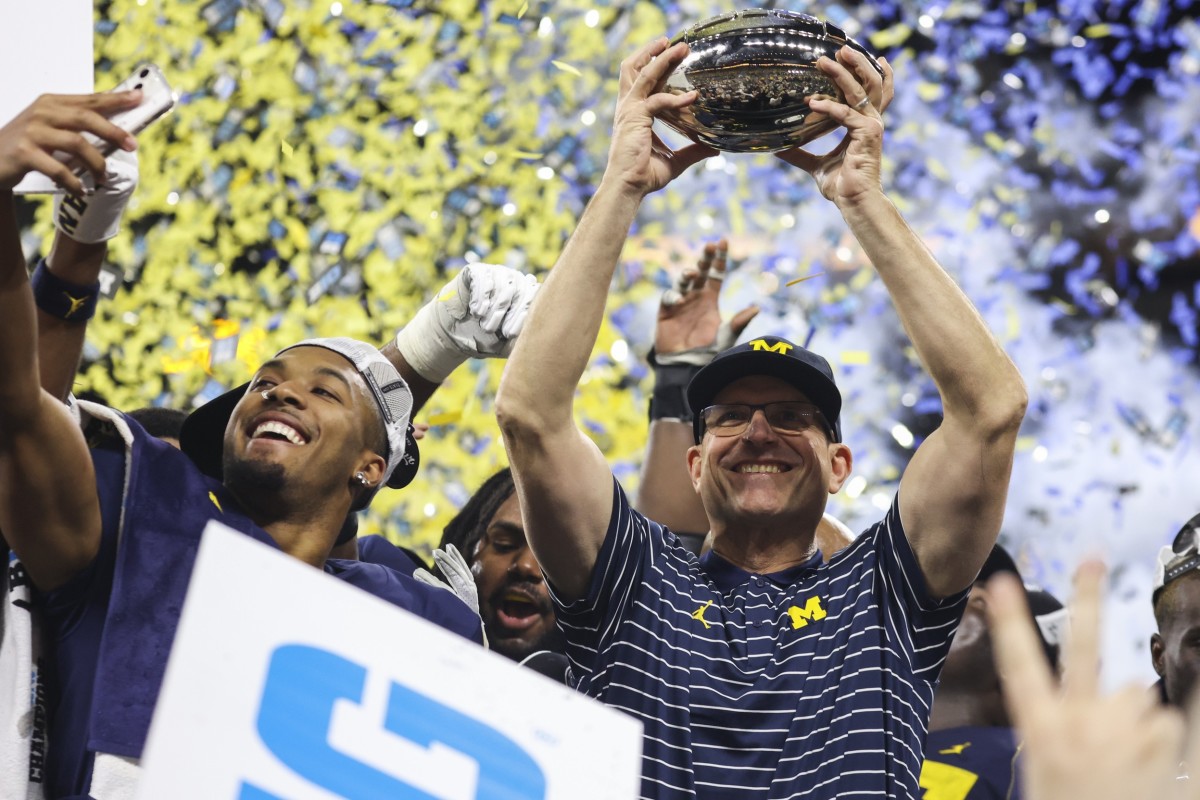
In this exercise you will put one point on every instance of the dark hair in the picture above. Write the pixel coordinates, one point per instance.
(160, 422)
(467, 527)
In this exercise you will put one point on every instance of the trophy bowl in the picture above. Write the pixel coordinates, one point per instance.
(753, 70)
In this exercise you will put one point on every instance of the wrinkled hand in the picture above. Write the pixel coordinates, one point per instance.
(56, 124)
(851, 169)
(1079, 743)
(637, 158)
(96, 216)
(689, 315)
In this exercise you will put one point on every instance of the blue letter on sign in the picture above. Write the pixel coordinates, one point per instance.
(304, 683)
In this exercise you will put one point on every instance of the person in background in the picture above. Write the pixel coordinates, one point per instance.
(1079, 742)
(1173, 647)
(972, 751)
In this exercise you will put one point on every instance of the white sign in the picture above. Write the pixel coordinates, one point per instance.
(45, 47)
(284, 682)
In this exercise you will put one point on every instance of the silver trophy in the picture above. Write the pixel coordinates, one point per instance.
(753, 70)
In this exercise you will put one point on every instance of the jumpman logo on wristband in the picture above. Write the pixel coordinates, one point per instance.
(76, 303)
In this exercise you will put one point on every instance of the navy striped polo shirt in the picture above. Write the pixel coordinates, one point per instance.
(814, 682)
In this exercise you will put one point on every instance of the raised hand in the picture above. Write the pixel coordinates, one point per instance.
(637, 158)
(56, 123)
(851, 169)
(476, 315)
(1078, 742)
(689, 315)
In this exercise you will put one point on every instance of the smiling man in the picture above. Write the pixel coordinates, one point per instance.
(107, 520)
(758, 671)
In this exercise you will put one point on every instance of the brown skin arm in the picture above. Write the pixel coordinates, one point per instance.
(60, 342)
(422, 388)
(49, 510)
(665, 492)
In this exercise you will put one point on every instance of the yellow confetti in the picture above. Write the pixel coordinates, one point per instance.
(286, 149)
(521, 12)
(565, 67)
(525, 155)
(855, 358)
(805, 278)
(445, 418)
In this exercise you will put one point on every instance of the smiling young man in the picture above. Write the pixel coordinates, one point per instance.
(758, 671)
(107, 520)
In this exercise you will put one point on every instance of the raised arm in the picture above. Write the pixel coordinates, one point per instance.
(953, 492)
(688, 334)
(478, 314)
(70, 275)
(562, 479)
(49, 511)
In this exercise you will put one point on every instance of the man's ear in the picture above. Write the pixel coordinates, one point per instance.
(1157, 649)
(695, 462)
(372, 466)
(842, 462)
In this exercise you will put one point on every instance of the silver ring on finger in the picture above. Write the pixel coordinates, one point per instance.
(861, 104)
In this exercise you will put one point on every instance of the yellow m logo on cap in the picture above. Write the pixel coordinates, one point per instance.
(779, 347)
(812, 612)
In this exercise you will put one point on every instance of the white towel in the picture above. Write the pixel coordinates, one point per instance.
(22, 689)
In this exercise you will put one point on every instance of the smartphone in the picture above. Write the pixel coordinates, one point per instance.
(157, 99)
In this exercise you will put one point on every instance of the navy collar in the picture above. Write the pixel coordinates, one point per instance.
(728, 576)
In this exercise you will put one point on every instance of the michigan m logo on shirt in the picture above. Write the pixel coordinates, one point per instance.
(812, 612)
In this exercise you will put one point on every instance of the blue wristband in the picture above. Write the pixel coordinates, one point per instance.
(58, 298)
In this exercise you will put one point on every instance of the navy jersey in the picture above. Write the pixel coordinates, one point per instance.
(814, 682)
(971, 763)
(112, 625)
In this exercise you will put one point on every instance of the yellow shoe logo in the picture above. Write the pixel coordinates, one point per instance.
(699, 613)
(955, 750)
(812, 612)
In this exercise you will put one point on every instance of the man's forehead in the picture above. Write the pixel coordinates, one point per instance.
(1184, 605)
(308, 357)
(758, 388)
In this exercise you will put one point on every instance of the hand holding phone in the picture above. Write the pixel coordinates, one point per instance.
(157, 99)
(39, 140)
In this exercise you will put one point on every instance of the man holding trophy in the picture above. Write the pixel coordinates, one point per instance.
(756, 670)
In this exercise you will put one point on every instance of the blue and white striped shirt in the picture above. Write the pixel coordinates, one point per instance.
(814, 682)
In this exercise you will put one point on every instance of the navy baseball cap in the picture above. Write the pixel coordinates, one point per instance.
(778, 358)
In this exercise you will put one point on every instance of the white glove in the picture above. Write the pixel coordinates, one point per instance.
(476, 315)
(454, 567)
(462, 581)
(96, 217)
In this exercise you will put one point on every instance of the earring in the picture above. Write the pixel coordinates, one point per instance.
(361, 478)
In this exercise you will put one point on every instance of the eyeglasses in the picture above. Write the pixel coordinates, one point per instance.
(730, 419)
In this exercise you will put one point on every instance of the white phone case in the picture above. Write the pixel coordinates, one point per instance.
(157, 99)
